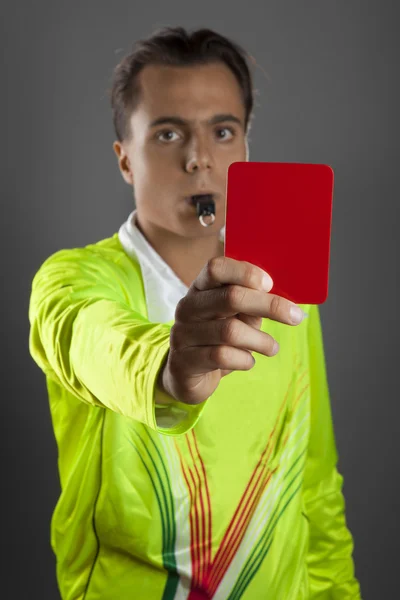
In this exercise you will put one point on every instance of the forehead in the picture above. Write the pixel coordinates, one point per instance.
(190, 92)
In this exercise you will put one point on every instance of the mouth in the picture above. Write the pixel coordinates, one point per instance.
(205, 197)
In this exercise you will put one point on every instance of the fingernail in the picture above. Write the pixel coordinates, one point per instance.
(296, 314)
(267, 282)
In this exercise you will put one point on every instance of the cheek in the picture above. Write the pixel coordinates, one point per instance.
(147, 169)
(152, 175)
(234, 153)
(237, 150)
(158, 162)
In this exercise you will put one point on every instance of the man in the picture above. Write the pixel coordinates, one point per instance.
(196, 455)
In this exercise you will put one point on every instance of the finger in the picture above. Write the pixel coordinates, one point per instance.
(222, 270)
(230, 300)
(223, 332)
(197, 360)
(255, 322)
(225, 372)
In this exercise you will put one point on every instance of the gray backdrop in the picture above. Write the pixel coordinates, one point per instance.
(328, 92)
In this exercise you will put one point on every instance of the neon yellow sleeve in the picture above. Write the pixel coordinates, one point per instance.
(330, 562)
(86, 336)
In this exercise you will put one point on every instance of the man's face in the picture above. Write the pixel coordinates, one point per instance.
(188, 128)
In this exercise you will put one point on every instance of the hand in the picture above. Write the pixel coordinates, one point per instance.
(217, 327)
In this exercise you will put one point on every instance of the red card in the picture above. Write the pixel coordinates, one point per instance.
(279, 217)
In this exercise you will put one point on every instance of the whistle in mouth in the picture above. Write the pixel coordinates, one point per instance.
(206, 208)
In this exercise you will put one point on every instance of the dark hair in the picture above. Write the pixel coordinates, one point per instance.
(176, 47)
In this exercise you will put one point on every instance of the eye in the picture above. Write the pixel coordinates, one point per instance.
(225, 133)
(167, 136)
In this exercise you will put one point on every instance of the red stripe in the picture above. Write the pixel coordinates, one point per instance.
(239, 515)
(198, 594)
(254, 474)
(217, 577)
(196, 539)
(226, 554)
(193, 534)
(299, 396)
(201, 550)
(227, 548)
(209, 532)
(207, 576)
(232, 544)
(235, 543)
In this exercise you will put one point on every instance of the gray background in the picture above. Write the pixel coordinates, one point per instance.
(330, 95)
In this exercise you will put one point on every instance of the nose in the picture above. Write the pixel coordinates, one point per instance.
(198, 157)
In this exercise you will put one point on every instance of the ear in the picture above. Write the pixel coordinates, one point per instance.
(123, 162)
(247, 149)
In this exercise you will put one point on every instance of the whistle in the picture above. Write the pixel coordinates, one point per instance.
(206, 208)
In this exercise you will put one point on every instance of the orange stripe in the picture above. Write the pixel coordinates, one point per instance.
(300, 395)
(241, 512)
(196, 539)
(193, 532)
(218, 574)
(208, 512)
(261, 459)
(235, 543)
(235, 531)
(202, 534)
(201, 537)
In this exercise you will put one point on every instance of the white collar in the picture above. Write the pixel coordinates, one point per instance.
(163, 288)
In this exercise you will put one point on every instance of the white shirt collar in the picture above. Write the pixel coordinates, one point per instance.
(163, 288)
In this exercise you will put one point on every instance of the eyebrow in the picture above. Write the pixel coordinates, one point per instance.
(171, 120)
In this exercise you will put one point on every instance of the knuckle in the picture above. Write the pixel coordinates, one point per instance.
(276, 304)
(173, 362)
(257, 323)
(270, 345)
(229, 333)
(219, 355)
(252, 276)
(175, 337)
(180, 309)
(215, 268)
(234, 296)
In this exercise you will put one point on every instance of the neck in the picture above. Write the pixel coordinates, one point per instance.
(185, 256)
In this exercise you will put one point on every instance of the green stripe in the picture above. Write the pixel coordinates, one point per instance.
(165, 505)
(257, 563)
(156, 492)
(261, 549)
(171, 507)
(170, 586)
(167, 520)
